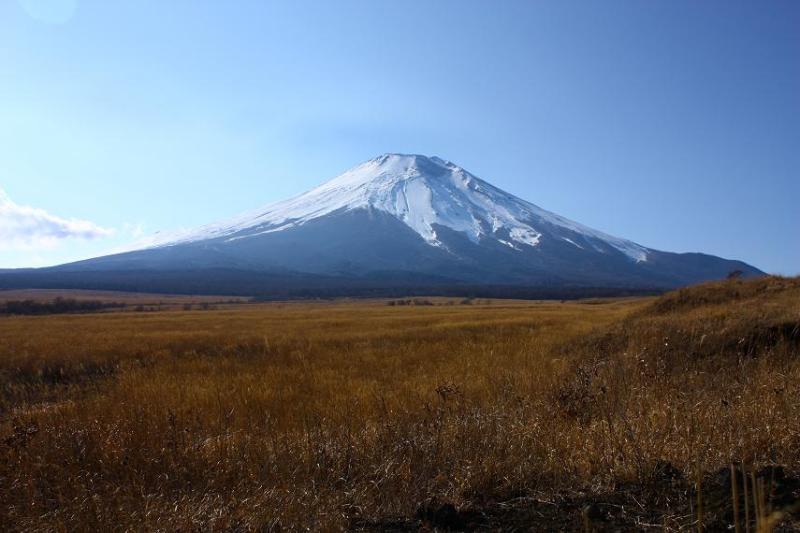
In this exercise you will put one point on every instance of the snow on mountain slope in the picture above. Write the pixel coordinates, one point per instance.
(421, 192)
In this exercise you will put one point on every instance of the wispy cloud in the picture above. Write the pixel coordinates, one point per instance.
(25, 228)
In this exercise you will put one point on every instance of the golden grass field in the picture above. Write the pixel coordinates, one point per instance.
(356, 415)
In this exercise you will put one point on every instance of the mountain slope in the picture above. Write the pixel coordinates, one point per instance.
(421, 192)
(417, 219)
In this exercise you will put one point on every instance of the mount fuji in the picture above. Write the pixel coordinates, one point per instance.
(395, 220)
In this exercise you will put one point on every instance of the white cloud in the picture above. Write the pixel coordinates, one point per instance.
(137, 230)
(29, 228)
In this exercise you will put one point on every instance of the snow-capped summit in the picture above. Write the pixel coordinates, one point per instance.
(422, 192)
(408, 219)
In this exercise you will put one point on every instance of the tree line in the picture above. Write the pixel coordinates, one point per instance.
(57, 306)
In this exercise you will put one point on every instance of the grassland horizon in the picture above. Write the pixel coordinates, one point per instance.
(677, 412)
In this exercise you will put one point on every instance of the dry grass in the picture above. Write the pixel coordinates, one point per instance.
(360, 415)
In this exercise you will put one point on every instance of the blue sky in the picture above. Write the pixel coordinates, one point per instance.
(674, 124)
